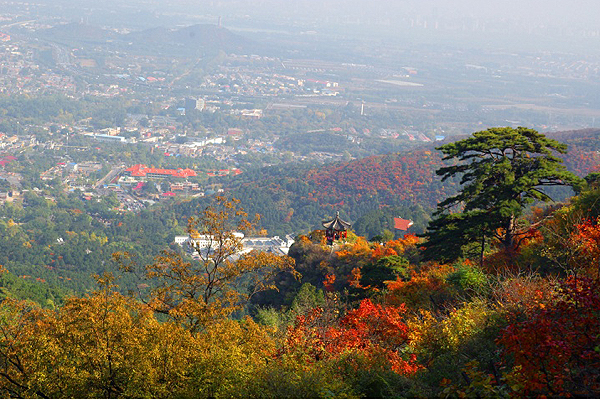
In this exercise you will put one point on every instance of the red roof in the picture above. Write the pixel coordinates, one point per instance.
(167, 194)
(402, 224)
(142, 170)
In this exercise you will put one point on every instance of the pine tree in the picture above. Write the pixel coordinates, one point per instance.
(503, 170)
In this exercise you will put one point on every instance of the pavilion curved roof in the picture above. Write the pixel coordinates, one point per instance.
(337, 224)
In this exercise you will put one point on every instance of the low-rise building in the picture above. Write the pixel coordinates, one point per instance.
(140, 170)
(273, 244)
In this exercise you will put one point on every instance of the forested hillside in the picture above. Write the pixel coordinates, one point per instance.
(59, 240)
(294, 198)
(365, 319)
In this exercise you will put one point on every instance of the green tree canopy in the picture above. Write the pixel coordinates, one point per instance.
(503, 170)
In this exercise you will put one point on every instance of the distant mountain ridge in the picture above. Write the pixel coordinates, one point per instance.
(200, 36)
(205, 37)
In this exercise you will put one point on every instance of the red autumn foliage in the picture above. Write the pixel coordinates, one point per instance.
(391, 177)
(555, 349)
(587, 238)
(372, 330)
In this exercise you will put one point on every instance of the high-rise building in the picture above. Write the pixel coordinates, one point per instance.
(194, 104)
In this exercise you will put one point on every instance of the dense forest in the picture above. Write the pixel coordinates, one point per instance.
(513, 315)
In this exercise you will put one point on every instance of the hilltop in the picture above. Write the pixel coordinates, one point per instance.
(200, 37)
(196, 37)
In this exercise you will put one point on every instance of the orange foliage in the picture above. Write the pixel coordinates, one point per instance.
(418, 290)
(363, 250)
(303, 239)
(400, 245)
(355, 277)
(328, 282)
(372, 330)
(532, 236)
(587, 238)
(359, 249)
(380, 251)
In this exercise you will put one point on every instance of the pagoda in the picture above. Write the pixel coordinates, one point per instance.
(336, 228)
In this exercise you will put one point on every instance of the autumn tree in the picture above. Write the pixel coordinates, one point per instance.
(221, 280)
(103, 345)
(554, 349)
(502, 170)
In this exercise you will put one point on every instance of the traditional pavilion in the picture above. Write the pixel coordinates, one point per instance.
(336, 228)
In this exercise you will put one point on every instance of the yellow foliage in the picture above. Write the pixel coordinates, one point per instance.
(104, 345)
(196, 293)
(431, 333)
(231, 353)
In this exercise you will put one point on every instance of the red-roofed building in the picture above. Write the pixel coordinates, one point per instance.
(235, 131)
(402, 224)
(140, 170)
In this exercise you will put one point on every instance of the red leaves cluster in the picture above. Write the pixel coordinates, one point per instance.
(555, 349)
(372, 330)
(582, 162)
(587, 239)
(390, 177)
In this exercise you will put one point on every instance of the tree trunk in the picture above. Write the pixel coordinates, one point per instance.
(509, 237)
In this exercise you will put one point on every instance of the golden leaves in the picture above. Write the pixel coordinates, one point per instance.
(199, 292)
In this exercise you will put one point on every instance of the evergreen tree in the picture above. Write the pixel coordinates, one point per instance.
(502, 170)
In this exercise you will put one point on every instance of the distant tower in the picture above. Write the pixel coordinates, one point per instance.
(362, 108)
(219, 24)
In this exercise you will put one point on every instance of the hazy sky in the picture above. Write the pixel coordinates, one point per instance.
(539, 11)
(551, 25)
(556, 12)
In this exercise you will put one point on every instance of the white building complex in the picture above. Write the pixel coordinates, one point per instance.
(273, 244)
